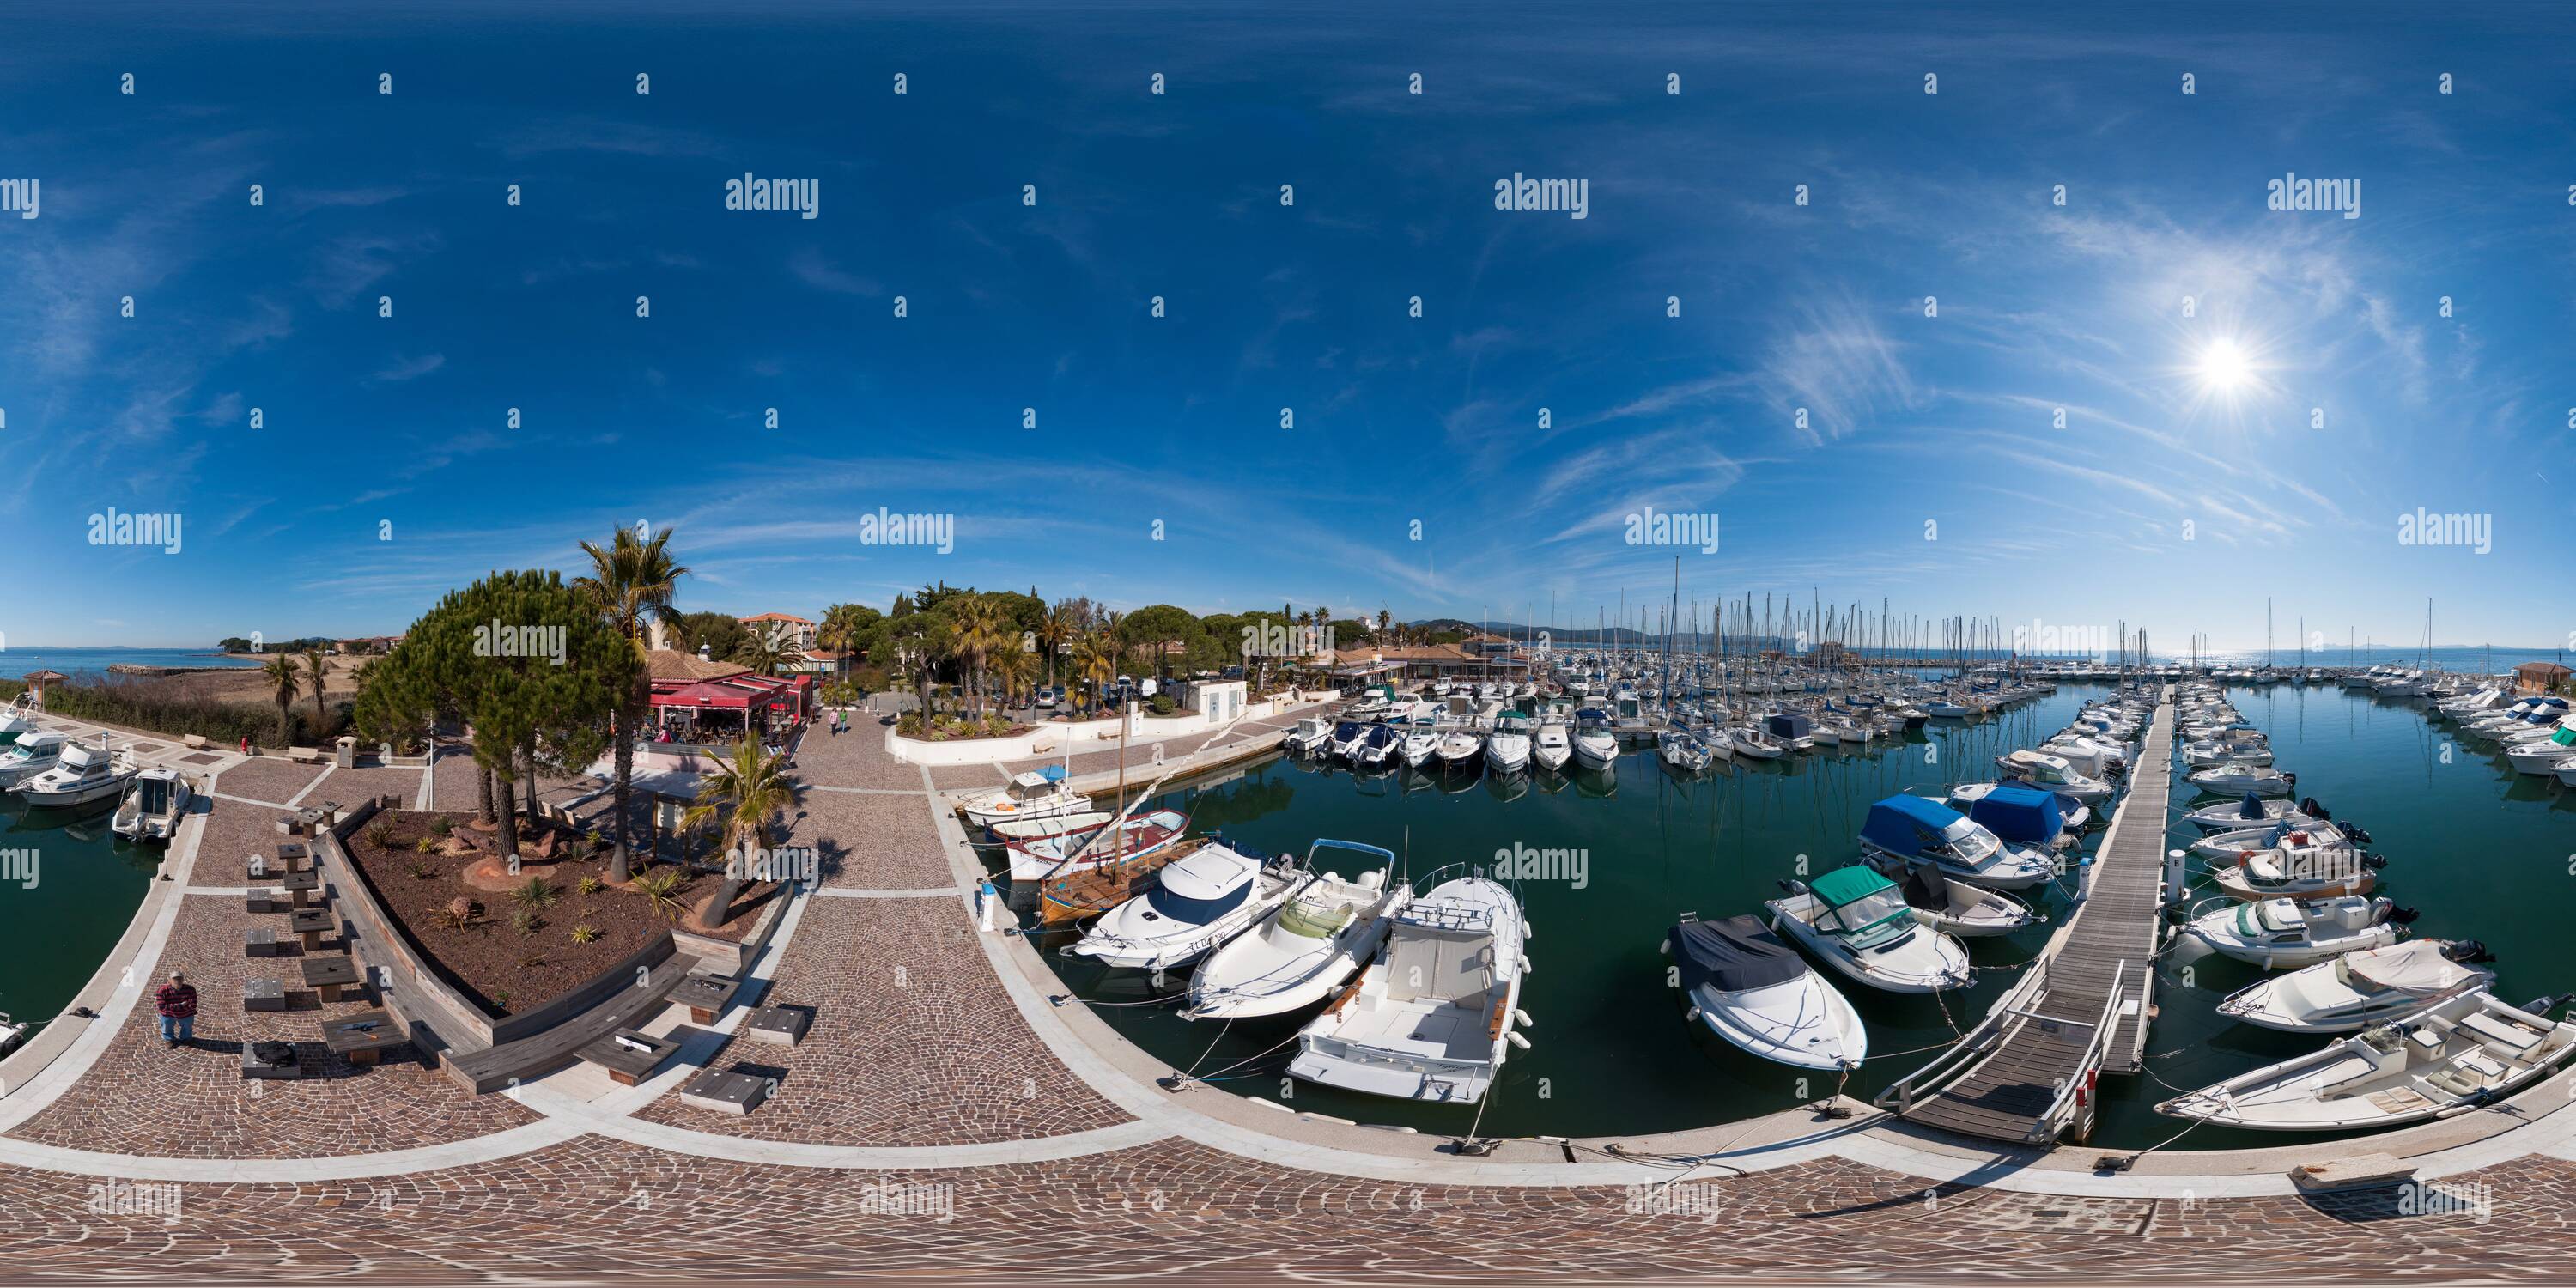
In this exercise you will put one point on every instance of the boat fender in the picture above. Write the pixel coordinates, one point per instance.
(1513, 1036)
(1528, 932)
(1522, 1019)
(1693, 1017)
(1525, 966)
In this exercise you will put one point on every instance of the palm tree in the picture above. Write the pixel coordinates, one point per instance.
(739, 797)
(1384, 619)
(1055, 630)
(767, 652)
(981, 631)
(839, 632)
(1095, 662)
(317, 664)
(632, 582)
(1017, 668)
(280, 671)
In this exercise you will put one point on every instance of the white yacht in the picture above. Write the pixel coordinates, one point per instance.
(1507, 748)
(1757, 993)
(1552, 747)
(31, 755)
(2238, 780)
(2457, 1055)
(2286, 933)
(1681, 752)
(17, 720)
(1305, 949)
(1310, 735)
(2052, 773)
(1857, 921)
(1200, 901)
(2357, 990)
(153, 806)
(1434, 1017)
(85, 774)
(1036, 794)
(1594, 742)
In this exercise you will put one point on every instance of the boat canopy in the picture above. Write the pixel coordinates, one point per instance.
(1906, 825)
(1850, 885)
(2418, 968)
(1733, 955)
(1789, 726)
(2253, 807)
(2017, 813)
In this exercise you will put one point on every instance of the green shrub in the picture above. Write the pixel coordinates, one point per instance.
(534, 895)
(441, 825)
(585, 934)
(169, 706)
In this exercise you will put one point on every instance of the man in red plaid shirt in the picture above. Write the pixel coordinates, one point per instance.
(177, 1003)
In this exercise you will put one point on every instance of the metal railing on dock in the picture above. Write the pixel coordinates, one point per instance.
(2019, 1076)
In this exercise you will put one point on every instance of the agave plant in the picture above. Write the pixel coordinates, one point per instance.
(661, 889)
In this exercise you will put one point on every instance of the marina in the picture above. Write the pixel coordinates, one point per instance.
(2110, 994)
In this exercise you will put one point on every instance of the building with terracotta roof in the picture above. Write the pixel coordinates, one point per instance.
(793, 631)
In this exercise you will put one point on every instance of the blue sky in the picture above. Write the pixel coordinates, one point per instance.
(377, 425)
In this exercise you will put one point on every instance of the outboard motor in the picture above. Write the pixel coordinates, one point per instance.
(2358, 836)
(2374, 862)
(2403, 916)
(2467, 952)
(2293, 780)
(2308, 806)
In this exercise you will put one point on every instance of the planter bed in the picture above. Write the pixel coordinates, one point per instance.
(488, 961)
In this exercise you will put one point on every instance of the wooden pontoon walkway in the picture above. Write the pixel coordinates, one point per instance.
(2017, 1076)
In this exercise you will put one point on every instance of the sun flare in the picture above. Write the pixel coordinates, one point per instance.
(2223, 365)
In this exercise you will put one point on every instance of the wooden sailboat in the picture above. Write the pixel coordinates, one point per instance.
(1067, 896)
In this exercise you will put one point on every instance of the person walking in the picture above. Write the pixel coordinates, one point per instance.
(176, 1002)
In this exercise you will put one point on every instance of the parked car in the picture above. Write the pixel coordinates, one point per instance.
(1048, 697)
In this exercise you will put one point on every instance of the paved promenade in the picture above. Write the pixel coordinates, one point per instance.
(944, 1120)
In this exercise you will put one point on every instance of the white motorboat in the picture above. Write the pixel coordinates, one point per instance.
(1552, 747)
(2542, 755)
(1310, 736)
(2240, 780)
(1752, 743)
(1421, 742)
(1759, 994)
(1065, 853)
(2312, 872)
(1461, 747)
(1036, 794)
(2052, 773)
(1306, 948)
(2279, 933)
(2072, 815)
(2243, 843)
(1433, 1018)
(153, 806)
(1681, 752)
(1383, 746)
(17, 720)
(2567, 771)
(1507, 748)
(1200, 901)
(1955, 907)
(2459, 1054)
(1594, 742)
(84, 775)
(2210, 753)
(1912, 829)
(2252, 811)
(1348, 737)
(1859, 924)
(31, 755)
(2357, 990)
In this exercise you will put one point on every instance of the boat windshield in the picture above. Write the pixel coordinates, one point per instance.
(1179, 907)
(1877, 918)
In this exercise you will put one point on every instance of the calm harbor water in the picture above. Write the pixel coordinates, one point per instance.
(68, 887)
(2480, 851)
(92, 663)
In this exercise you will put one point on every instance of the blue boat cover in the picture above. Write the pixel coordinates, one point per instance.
(1052, 773)
(1907, 824)
(1791, 726)
(2019, 814)
(2253, 807)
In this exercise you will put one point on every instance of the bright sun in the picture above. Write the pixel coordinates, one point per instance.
(2223, 365)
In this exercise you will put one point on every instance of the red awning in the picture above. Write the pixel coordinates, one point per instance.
(699, 695)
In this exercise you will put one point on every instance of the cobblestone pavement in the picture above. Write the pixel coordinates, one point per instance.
(144, 1098)
(916, 1046)
(911, 1042)
(267, 780)
(597, 1208)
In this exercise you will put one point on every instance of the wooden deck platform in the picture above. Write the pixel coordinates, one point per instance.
(2040, 1038)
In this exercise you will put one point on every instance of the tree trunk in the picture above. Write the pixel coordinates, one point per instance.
(509, 816)
(621, 727)
(483, 780)
(528, 757)
(719, 907)
(285, 734)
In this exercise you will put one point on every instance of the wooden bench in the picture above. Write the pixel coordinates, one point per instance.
(629, 1055)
